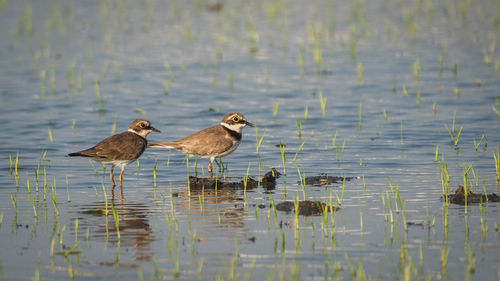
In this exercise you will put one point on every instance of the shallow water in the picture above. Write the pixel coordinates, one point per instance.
(250, 58)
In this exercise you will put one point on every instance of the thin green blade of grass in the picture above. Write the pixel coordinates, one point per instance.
(298, 150)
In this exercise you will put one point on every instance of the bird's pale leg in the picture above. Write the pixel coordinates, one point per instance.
(121, 184)
(112, 177)
(210, 167)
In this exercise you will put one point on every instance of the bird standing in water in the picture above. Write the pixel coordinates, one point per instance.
(213, 142)
(120, 149)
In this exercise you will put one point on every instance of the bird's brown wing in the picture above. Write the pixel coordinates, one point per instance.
(208, 141)
(123, 146)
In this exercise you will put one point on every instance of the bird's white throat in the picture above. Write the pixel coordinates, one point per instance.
(235, 128)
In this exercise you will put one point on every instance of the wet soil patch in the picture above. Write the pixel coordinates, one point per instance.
(459, 197)
(306, 208)
(268, 182)
(324, 179)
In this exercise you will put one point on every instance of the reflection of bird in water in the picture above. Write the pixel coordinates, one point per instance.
(133, 224)
(221, 208)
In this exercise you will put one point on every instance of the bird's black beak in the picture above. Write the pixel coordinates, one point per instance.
(155, 130)
(249, 124)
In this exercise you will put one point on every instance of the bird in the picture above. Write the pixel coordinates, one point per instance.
(120, 149)
(213, 142)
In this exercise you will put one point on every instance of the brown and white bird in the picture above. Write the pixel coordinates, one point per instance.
(120, 149)
(213, 142)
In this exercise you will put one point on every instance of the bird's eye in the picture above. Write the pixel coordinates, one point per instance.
(236, 119)
(142, 125)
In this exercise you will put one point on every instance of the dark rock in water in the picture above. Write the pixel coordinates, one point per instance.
(269, 179)
(306, 208)
(459, 197)
(326, 179)
(267, 182)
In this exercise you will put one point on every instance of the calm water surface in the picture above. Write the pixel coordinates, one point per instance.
(394, 78)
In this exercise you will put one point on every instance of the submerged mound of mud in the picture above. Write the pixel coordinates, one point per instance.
(306, 208)
(268, 181)
(459, 197)
(324, 179)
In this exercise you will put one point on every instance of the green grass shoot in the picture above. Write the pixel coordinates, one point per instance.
(300, 60)
(496, 157)
(76, 230)
(16, 164)
(113, 127)
(416, 69)
(245, 182)
(275, 108)
(104, 71)
(478, 143)
(154, 178)
(445, 181)
(11, 163)
(341, 199)
(436, 154)
(298, 124)
(298, 150)
(170, 75)
(283, 159)
(117, 220)
(97, 95)
(51, 139)
(70, 76)
(405, 91)
(258, 140)
(14, 200)
(43, 74)
(53, 196)
(359, 70)
(454, 135)
(322, 103)
(496, 107)
(187, 171)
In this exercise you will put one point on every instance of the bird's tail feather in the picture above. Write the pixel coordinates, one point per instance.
(163, 145)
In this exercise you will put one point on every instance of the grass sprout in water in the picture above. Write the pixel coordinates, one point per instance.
(322, 103)
(454, 134)
(294, 58)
